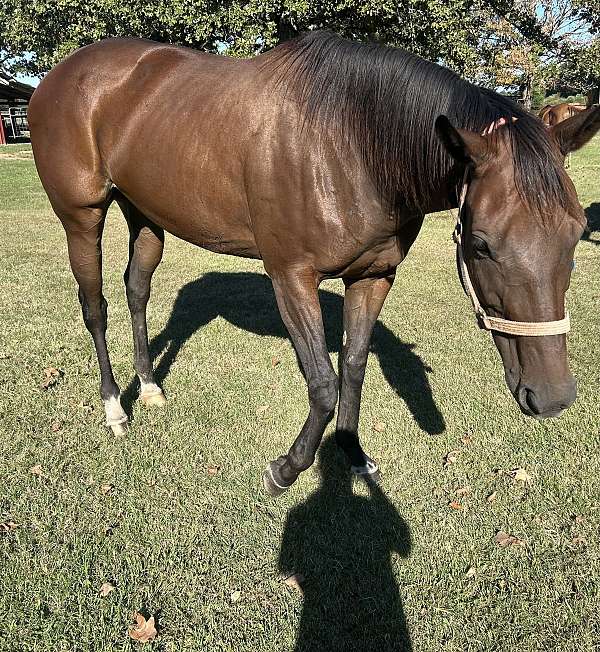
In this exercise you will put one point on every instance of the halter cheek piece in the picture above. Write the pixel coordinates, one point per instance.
(522, 328)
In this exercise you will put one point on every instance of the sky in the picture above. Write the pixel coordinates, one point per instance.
(32, 81)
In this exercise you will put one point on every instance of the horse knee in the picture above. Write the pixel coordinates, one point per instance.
(138, 294)
(95, 312)
(354, 369)
(323, 396)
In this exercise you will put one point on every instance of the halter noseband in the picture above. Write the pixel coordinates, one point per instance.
(523, 328)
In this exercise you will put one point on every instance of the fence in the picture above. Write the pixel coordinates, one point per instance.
(14, 122)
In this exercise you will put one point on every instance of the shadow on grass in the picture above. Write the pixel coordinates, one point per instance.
(343, 545)
(592, 213)
(247, 301)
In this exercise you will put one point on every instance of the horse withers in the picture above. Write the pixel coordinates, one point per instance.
(320, 157)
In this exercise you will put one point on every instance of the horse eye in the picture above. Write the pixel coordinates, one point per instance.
(480, 247)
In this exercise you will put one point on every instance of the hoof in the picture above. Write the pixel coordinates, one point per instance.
(119, 429)
(271, 487)
(369, 472)
(156, 398)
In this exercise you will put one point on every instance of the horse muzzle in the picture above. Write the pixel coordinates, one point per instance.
(545, 400)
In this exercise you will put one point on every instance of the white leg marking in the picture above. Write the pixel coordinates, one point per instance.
(369, 468)
(151, 394)
(114, 412)
(149, 389)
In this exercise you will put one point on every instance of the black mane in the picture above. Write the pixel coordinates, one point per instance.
(386, 100)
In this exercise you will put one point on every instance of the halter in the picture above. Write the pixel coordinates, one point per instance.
(523, 328)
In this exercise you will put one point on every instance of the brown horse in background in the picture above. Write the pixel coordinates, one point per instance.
(552, 114)
(320, 157)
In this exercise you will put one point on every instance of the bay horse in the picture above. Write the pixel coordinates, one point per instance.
(321, 157)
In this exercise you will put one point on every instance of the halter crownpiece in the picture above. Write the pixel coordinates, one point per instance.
(523, 328)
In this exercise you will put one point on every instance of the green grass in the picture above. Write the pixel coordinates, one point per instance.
(177, 542)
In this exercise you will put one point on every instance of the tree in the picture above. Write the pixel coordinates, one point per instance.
(441, 30)
(580, 71)
(521, 51)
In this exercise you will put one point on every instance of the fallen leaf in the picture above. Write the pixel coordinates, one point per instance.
(144, 631)
(520, 475)
(579, 519)
(52, 374)
(262, 409)
(106, 588)
(37, 470)
(56, 426)
(504, 540)
(492, 497)
(295, 581)
(106, 488)
(8, 526)
(579, 540)
(275, 361)
(455, 505)
(466, 440)
(379, 426)
(212, 469)
(235, 596)
(463, 491)
(450, 457)
(471, 572)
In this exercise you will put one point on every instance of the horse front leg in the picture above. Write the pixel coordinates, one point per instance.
(298, 302)
(362, 304)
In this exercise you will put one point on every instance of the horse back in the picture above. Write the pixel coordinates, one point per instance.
(212, 150)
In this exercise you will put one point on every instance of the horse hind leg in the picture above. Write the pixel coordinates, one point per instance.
(84, 228)
(146, 243)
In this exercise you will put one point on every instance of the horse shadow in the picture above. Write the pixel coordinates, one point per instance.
(592, 213)
(341, 547)
(247, 301)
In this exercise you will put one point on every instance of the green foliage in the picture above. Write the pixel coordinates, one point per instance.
(538, 96)
(516, 45)
(51, 29)
(581, 69)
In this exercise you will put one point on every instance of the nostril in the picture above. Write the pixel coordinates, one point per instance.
(531, 401)
(528, 400)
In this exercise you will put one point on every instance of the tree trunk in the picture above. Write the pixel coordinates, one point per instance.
(527, 92)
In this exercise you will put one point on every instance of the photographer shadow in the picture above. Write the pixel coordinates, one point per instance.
(342, 547)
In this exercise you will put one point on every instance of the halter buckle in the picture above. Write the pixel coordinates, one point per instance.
(483, 319)
(457, 233)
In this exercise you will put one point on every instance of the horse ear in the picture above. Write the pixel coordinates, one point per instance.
(464, 146)
(575, 132)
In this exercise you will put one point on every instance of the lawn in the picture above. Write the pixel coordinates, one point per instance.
(173, 515)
